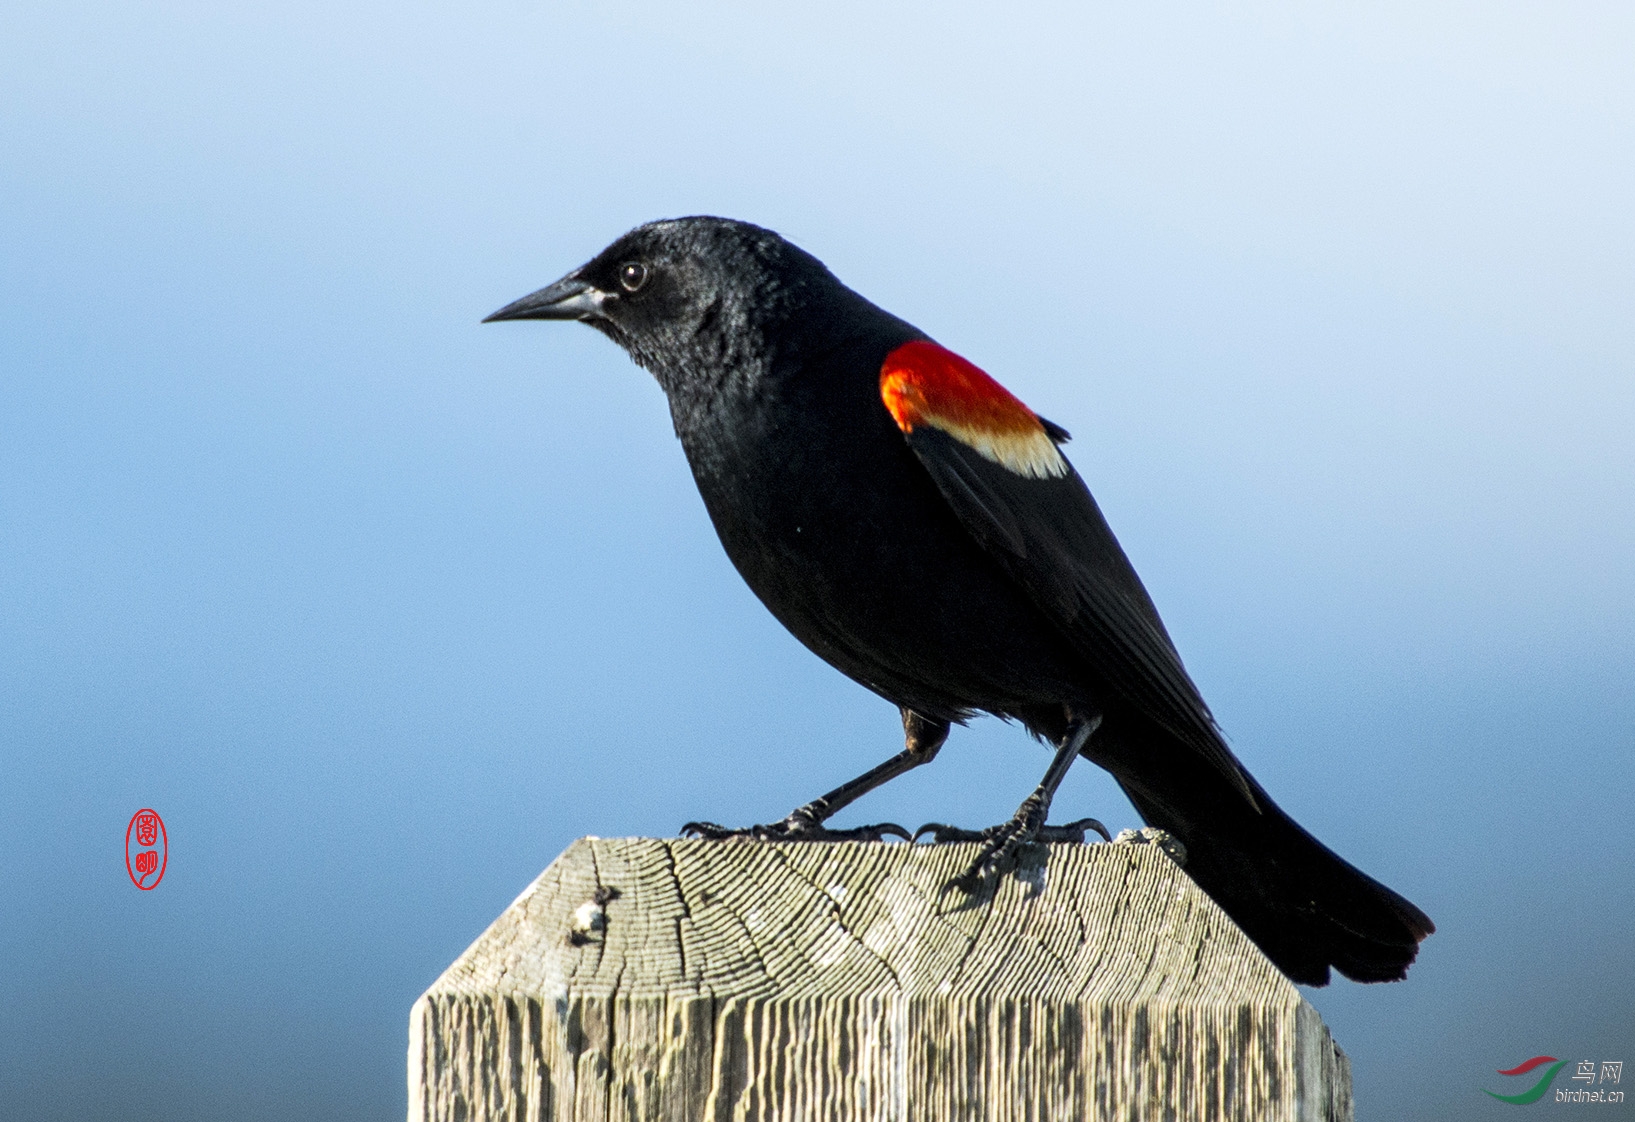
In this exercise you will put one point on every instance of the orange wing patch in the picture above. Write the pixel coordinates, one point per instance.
(924, 384)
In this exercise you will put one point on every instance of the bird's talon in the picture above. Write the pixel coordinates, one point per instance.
(877, 832)
(796, 828)
(941, 833)
(1073, 833)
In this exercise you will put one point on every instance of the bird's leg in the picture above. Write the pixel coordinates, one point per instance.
(922, 736)
(1000, 843)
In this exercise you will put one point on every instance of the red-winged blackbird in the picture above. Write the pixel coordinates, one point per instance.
(917, 527)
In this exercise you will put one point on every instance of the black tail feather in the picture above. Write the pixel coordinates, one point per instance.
(1306, 907)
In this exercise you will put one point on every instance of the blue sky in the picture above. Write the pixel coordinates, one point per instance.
(380, 607)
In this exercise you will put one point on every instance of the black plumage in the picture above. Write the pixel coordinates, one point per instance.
(937, 549)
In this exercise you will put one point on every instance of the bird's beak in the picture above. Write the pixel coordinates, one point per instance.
(568, 298)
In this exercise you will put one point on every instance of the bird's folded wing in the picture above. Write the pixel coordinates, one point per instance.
(997, 465)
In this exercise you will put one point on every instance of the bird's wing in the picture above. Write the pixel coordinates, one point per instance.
(997, 465)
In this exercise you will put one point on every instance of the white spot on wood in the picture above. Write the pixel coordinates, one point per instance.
(589, 916)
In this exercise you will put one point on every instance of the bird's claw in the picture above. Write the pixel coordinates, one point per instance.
(1000, 843)
(879, 831)
(942, 833)
(1074, 832)
(796, 828)
(709, 830)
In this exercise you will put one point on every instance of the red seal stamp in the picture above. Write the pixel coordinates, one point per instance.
(147, 849)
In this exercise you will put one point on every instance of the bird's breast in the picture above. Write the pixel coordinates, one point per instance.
(837, 528)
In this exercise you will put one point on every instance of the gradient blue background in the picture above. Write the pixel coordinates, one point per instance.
(380, 607)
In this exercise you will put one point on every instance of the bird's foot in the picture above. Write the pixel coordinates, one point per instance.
(1001, 843)
(802, 825)
(1070, 833)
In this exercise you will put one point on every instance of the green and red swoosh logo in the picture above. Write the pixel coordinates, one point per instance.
(1536, 1091)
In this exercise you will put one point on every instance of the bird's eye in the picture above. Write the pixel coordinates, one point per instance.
(632, 275)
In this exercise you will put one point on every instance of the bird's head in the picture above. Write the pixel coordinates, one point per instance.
(689, 298)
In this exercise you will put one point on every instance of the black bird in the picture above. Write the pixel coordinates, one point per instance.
(918, 528)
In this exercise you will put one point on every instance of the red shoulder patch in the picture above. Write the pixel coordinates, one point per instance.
(924, 384)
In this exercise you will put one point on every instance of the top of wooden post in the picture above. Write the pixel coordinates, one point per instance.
(738, 919)
(1166, 1002)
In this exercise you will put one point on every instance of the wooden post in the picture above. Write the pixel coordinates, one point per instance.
(680, 980)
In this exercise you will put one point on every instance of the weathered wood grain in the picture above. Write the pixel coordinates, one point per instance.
(732, 980)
